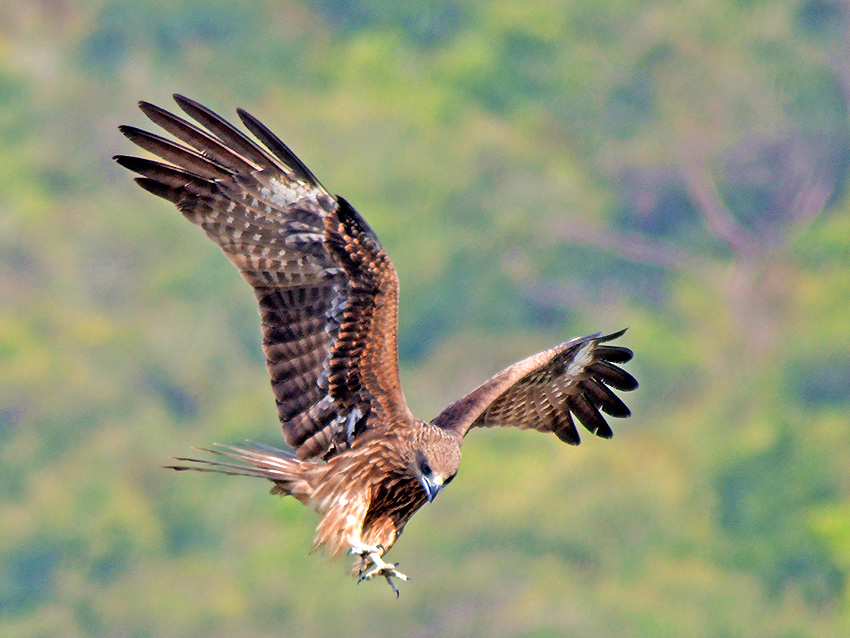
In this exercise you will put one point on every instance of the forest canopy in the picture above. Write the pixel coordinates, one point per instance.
(536, 171)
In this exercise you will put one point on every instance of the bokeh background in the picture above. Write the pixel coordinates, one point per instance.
(537, 170)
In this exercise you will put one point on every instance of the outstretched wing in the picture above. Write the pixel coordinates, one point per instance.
(545, 391)
(327, 291)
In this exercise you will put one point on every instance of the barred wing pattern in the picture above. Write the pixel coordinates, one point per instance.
(544, 391)
(328, 293)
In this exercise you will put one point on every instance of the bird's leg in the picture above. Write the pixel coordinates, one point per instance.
(373, 554)
(365, 552)
(362, 549)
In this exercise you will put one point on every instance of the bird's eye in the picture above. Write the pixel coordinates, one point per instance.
(424, 467)
(450, 479)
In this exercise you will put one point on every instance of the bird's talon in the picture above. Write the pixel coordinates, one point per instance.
(380, 568)
(394, 587)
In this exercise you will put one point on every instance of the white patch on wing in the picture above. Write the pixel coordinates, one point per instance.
(582, 359)
(353, 417)
(283, 194)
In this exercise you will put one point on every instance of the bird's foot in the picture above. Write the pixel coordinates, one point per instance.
(387, 570)
(371, 554)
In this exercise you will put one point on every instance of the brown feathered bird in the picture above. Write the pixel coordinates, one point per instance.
(328, 297)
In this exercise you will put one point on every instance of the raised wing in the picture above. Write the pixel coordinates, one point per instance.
(545, 391)
(327, 291)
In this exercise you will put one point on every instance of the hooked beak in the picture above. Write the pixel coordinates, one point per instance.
(432, 486)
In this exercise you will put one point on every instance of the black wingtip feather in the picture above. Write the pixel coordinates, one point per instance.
(570, 438)
(167, 174)
(126, 130)
(204, 142)
(612, 336)
(613, 376)
(606, 433)
(568, 432)
(589, 416)
(225, 131)
(614, 354)
(136, 164)
(604, 399)
(181, 156)
(618, 410)
(151, 111)
(156, 188)
(183, 100)
(277, 147)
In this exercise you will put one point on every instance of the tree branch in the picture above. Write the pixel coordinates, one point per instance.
(717, 217)
(631, 246)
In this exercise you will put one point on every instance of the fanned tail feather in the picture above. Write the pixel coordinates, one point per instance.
(256, 460)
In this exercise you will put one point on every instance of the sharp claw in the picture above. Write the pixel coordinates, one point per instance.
(393, 585)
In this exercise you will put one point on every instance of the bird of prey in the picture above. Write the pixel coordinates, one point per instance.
(328, 301)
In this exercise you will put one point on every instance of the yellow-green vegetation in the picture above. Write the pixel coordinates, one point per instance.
(536, 170)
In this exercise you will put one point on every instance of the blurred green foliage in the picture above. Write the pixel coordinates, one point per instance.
(536, 170)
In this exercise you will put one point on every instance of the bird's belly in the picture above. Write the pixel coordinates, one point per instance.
(389, 512)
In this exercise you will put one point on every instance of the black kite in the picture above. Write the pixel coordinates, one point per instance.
(328, 297)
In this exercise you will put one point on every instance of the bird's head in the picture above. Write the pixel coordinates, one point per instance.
(435, 462)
